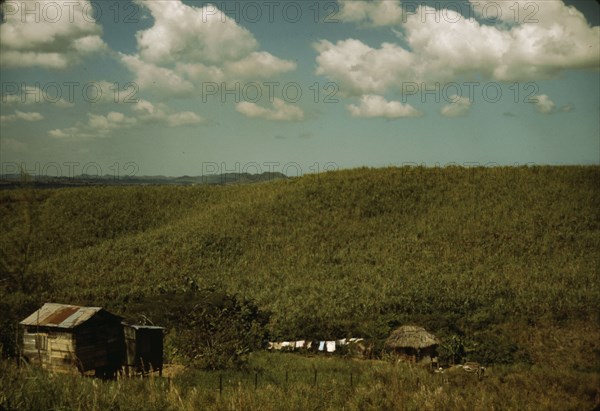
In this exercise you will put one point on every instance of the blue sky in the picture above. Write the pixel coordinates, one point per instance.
(381, 83)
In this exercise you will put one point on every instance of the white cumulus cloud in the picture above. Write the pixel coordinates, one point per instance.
(452, 47)
(52, 34)
(161, 113)
(544, 104)
(281, 111)
(372, 12)
(378, 106)
(459, 107)
(144, 114)
(20, 115)
(111, 121)
(28, 95)
(184, 118)
(189, 45)
(163, 81)
(97, 126)
(360, 69)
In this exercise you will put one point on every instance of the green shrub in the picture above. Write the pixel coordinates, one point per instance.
(208, 328)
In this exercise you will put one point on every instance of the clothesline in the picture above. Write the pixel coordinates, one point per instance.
(316, 345)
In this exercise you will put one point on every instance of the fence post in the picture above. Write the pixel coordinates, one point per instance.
(17, 346)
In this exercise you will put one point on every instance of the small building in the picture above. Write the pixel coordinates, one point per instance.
(143, 348)
(412, 343)
(64, 337)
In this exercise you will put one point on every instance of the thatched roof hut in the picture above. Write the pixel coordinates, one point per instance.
(411, 336)
(412, 343)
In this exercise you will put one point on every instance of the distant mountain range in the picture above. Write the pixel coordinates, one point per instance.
(16, 180)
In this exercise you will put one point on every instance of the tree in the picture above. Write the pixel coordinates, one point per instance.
(208, 327)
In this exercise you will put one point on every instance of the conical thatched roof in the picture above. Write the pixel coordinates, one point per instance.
(411, 336)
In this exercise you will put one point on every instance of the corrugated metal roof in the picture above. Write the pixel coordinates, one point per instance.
(61, 315)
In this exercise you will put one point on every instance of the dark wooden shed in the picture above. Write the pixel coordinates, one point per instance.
(64, 337)
(143, 348)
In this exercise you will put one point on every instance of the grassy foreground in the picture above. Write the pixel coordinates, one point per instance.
(341, 384)
(503, 261)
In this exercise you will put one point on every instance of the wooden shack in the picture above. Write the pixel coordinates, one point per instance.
(64, 337)
(413, 344)
(143, 348)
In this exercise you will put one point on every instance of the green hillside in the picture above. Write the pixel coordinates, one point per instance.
(503, 258)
